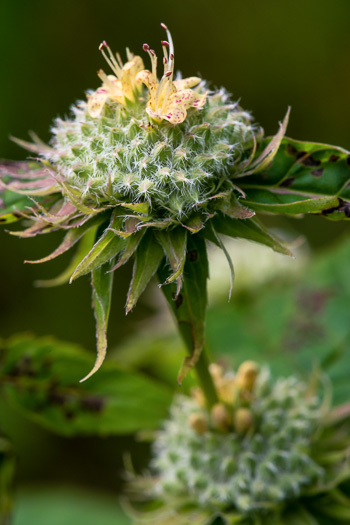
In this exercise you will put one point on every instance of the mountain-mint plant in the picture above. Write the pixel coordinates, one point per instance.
(152, 169)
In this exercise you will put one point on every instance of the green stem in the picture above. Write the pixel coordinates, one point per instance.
(202, 367)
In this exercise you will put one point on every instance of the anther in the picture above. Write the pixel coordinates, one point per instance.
(164, 26)
(168, 73)
(145, 47)
(104, 44)
(165, 60)
(172, 56)
(152, 52)
(164, 43)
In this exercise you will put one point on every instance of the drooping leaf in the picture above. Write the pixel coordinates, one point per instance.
(212, 236)
(102, 283)
(250, 229)
(40, 377)
(190, 305)
(107, 247)
(174, 244)
(304, 177)
(84, 247)
(71, 238)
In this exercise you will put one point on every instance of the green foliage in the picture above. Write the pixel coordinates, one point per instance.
(41, 378)
(304, 177)
(58, 506)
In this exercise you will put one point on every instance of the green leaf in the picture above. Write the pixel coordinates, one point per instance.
(212, 236)
(174, 244)
(107, 247)
(190, 306)
(250, 229)
(71, 238)
(304, 177)
(131, 246)
(40, 377)
(102, 283)
(148, 257)
(84, 248)
(10, 204)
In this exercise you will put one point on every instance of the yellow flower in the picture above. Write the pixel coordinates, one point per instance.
(169, 99)
(119, 87)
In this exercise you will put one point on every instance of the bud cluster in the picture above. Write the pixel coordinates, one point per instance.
(250, 452)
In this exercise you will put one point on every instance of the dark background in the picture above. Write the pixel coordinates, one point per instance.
(270, 54)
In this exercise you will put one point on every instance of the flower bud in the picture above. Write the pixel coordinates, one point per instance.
(242, 420)
(246, 375)
(198, 422)
(220, 417)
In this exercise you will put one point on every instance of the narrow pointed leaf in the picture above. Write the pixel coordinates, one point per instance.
(148, 257)
(140, 207)
(71, 238)
(304, 177)
(250, 229)
(270, 151)
(190, 306)
(107, 247)
(212, 236)
(101, 282)
(174, 244)
(131, 246)
(10, 204)
(84, 248)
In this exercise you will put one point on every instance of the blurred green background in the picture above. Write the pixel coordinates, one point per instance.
(269, 54)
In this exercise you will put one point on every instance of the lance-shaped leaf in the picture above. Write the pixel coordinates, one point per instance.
(106, 248)
(102, 283)
(233, 208)
(148, 258)
(174, 243)
(304, 177)
(270, 150)
(71, 238)
(131, 246)
(250, 229)
(40, 377)
(190, 306)
(84, 248)
(212, 236)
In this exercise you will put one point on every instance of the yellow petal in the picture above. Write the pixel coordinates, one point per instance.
(128, 78)
(175, 115)
(186, 98)
(155, 116)
(97, 101)
(184, 83)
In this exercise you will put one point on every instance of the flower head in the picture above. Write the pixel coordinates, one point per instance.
(169, 99)
(121, 86)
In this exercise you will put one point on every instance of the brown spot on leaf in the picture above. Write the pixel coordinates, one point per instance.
(287, 182)
(343, 207)
(2, 220)
(178, 300)
(192, 255)
(317, 173)
(333, 158)
(93, 404)
(309, 161)
(69, 414)
(291, 150)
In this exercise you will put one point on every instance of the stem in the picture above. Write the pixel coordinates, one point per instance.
(202, 366)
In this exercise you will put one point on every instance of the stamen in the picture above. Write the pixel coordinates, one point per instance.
(129, 54)
(164, 43)
(164, 26)
(119, 59)
(111, 61)
(145, 47)
(168, 73)
(165, 60)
